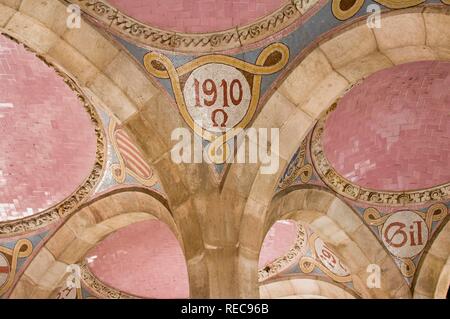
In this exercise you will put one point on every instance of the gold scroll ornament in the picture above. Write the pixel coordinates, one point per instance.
(271, 60)
(297, 168)
(131, 160)
(345, 9)
(434, 213)
(8, 262)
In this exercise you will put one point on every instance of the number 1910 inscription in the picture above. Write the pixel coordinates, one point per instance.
(217, 96)
(209, 88)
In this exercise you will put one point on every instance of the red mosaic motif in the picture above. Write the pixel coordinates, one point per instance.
(47, 142)
(392, 131)
(131, 154)
(197, 16)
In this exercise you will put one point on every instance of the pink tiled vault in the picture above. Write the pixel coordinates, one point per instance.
(143, 259)
(47, 141)
(392, 132)
(279, 240)
(197, 15)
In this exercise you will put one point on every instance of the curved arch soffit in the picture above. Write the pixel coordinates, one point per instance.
(343, 229)
(297, 287)
(433, 273)
(44, 276)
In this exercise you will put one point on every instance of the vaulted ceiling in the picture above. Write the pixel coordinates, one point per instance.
(88, 181)
(46, 134)
(398, 137)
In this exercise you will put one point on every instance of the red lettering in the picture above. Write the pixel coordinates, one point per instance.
(197, 93)
(214, 119)
(241, 92)
(212, 91)
(209, 88)
(399, 231)
(419, 233)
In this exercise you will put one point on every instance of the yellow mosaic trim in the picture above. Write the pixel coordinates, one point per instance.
(341, 12)
(399, 4)
(23, 248)
(122, 167)
(345, 9)
(302, 170)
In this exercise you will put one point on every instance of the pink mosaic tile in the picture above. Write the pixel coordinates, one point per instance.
(47, 144)
(198, 16)
(143, 259)
(392, 132)
(278, 241)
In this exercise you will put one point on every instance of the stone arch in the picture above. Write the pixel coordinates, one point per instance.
(82, 231)
(443, 284)
(318, 76)
(103, 69)
(297, 287)
(108, 74)
(433, 273)
(341, 228)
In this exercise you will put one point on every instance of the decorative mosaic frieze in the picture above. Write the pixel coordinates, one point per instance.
(90, 287)
(297, 169)
(287, 260)
(309, 255)
(218, 95)
(192, 42)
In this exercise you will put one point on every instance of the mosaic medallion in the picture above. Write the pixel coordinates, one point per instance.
(329, 259)
(217, 96)
(404, 234)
